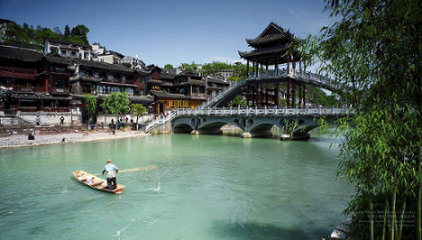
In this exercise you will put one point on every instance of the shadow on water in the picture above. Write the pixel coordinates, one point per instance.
(253, 230)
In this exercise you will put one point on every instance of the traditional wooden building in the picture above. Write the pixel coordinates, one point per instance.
(67, 49)
(171, 91)
(31, 82)
(101, 79)
(274, 54)
(215, 86)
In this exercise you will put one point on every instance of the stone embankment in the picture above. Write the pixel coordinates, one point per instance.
(21, 140)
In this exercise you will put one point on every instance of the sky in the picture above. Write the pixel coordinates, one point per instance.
(163, 32)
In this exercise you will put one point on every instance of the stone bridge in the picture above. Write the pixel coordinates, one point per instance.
(254, 122)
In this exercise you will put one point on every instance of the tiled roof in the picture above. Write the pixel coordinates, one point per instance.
(24, 55)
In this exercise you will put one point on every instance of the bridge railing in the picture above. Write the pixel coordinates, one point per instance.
(250, 112)
(305, 76)
(160, 121)
(221, 95)
(263, 111)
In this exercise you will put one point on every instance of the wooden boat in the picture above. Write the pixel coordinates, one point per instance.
(95, 182)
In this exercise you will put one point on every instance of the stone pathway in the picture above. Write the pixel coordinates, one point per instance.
(22, 140)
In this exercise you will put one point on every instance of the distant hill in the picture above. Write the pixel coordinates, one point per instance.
(13, 33)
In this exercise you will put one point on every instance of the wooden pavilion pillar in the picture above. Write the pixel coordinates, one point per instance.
(256, 69)
(304, 96)
(288, 67)
(276, 93)
(288, 93)
(293, 93)
(247, 95)
(300, 95)
(247, 68)
(261, 96)
(266, 96)
(257, 95)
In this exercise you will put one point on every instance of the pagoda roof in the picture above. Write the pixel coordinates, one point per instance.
(103, 65)
(272, 34)
(24, 55)
(162, 94)
(167, 75)
(273, 55)
(55, 58)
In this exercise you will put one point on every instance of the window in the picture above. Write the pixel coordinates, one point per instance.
(123, 79)
(115, 89)
(129, 91)
(64, 52)
(58, 69)
(101, 89)
(111, 77)
(96, 74)
(54, 50)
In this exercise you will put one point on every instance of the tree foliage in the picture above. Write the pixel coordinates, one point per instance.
(374, 51)
(186, 67)
(91, 102)
(116, 104)
(138, 110)
(238, 101)
(168, 66)
(28, 35)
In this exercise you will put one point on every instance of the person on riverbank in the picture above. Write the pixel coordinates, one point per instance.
(111, 170)
(61, 120)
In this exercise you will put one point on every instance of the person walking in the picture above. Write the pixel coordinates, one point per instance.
(111, 170)
(61, 120)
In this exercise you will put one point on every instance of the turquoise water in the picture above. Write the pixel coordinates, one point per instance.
(204, 187)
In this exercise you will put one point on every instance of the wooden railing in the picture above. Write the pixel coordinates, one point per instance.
(56, 109)
(18, 70)
(28, 109)
(60, 91)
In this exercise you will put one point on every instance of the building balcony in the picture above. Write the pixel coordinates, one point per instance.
(56, 109)
(59, 91)
(27, 89)
(15, 72)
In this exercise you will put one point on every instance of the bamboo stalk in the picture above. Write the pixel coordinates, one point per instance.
(387, 207)
(419, 198)
(393, 220)
(401, 220)
(371, 209)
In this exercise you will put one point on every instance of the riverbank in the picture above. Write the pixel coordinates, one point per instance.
(19, 140)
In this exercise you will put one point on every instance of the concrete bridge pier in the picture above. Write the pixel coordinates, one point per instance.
(292, 136)
(246, 135)
(210, 131)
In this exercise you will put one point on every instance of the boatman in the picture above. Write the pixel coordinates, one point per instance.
(111, 170)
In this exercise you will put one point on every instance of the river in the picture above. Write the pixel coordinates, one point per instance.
(204, 187)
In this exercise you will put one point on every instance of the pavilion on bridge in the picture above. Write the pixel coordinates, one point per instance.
(273, 63)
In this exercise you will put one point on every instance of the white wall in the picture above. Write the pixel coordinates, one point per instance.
(52, 118)
(105, 119)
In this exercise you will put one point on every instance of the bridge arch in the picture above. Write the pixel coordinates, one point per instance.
(213, 126)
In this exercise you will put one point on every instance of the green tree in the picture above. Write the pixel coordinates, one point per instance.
(91, 104)
(80, 31)
(237, 101)
(66, 31)
(138, 110)
(373, 50)
(168, 66)
(185, 67)
(116, 104)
